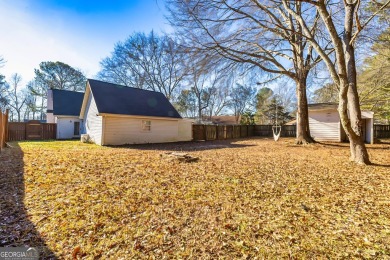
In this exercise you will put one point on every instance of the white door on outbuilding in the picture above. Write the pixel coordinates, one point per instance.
(68, 127)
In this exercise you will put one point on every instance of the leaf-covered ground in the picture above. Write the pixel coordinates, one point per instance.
(250, 198)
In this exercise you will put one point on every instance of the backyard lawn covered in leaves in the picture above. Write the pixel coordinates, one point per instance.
(249, 198)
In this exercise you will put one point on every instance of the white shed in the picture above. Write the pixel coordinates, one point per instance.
(115, 115)
(325, 125)
(63, 109)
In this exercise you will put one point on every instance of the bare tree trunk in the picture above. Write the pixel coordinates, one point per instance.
(303, 130)
(359, 152)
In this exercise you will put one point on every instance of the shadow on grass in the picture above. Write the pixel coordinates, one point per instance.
(345, 145)
(189, 146)
(16, 230)
(381, 165)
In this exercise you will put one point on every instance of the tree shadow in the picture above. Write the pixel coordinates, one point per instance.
(346, 145)
(335, 145)
(381, 165)
(16, 229)
(189, 146)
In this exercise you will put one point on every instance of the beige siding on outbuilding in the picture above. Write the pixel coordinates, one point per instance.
(325, 125)
(120, 130)
(185, 130)
(93, 122)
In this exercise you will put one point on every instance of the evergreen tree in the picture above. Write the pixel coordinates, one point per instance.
(276, 113)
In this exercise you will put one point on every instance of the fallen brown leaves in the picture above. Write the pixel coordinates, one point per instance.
(243, 198)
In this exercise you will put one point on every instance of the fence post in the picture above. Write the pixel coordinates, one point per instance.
(6, 125)
(1, 130)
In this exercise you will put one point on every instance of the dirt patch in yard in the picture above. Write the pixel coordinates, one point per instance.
(243, 198)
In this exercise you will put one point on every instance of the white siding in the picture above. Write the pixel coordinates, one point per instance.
(49, 105)
(65, 127)
(325, 125)
(369, 131)
(125, 130)
(92, 122)
(50, 118)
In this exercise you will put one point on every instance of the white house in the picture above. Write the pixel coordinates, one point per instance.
(325, 124)
(115, 115)
(63, 108)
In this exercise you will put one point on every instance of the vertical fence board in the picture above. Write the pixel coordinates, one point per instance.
(211, 132)
(382, 131)
(2, 130)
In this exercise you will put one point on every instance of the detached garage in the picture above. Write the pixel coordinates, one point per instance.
(115, 115)
(325, 125)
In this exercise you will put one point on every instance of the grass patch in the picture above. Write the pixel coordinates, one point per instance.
(245, 198)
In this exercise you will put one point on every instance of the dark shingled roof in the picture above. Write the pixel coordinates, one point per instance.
(322, 106)
(116, 99)
(67, 103)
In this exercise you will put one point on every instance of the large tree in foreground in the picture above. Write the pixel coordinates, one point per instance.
(342, 67)
(261, 34)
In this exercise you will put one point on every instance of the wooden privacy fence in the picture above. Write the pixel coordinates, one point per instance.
(221, 132)
(32, 130)
(382, 131)
(3, 128)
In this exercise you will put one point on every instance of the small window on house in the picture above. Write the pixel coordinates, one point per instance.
(76, 129)
(146, 125)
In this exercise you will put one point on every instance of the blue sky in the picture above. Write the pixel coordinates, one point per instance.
(77, 32)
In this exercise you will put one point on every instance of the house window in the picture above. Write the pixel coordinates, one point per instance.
(76, 129)
(146, 125)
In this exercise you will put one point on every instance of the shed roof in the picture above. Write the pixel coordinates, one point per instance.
(67, 103)
(117, 99)
(322, 106)
(333, 106)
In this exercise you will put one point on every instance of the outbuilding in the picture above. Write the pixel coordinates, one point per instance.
(115, 115)
(63, 109)
(325, 124)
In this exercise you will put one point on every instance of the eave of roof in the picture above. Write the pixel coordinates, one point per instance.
(322, 106)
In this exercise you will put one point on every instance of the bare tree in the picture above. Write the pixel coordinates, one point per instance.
(31, 106)
(148, 62)
(186, 103)
(3, 87)
(203, 79)
(39, 91)
(16, 98)
(242, 99)
(258, 34)
(219, 98)
(343, 68)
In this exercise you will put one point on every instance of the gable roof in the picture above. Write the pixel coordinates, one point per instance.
(117, 99)
(67, 103)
